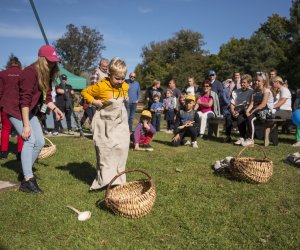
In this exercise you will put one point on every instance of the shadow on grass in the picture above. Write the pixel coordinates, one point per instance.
(225, 173)
(84, 171)
(168, 143)
(16, 166)
(101, 205)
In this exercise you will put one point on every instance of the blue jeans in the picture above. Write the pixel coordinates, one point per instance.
(156, 121)
(131, 108)
(32, 146)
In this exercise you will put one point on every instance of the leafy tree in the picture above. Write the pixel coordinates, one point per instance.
(176, 57)
(79, 48)
(295, 19)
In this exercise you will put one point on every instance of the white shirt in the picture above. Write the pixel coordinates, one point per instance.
(284, 92)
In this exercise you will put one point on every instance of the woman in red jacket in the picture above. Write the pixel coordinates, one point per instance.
(8, 80)
(33, 96)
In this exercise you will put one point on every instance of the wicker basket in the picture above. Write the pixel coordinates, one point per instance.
(133, 199)
(47, 150)
(251, 169)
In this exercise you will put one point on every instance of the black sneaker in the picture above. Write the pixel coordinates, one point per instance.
(4, 154)
(30, 186)
(227, 139)
(147, 147)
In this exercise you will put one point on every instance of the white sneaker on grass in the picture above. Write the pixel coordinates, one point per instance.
(194, 144)
(239, 141)
(187, 143)
(55, 133)
(247, 142)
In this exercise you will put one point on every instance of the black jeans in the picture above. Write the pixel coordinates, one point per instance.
(88, 113)
(186, 132)
(241, 123)
(68, 113)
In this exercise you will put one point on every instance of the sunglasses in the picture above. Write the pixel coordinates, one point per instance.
(132, 76)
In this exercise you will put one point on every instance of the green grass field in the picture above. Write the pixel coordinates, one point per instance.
(194, 209)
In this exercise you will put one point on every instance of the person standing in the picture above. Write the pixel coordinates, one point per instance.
(28, 98)
(100, 72)
(175, 90)
(134, 96)
(110, 124)
(216, 86)
(8, 80)
(155, 89)
(64, 100)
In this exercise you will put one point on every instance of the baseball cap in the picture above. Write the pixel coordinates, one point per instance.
(147, 113)
(190, 97)
(212, 72)
(64, 77)
(49, 53)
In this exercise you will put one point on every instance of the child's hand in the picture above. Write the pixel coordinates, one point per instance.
(98, 103)
(146, 125)
(176, 138)
(189, 124)
(126, 98)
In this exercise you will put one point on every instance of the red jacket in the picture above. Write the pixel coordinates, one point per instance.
(25, 93)
(8, 84)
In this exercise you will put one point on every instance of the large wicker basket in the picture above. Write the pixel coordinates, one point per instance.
(48, 150)
(133, 199)
(252, 169)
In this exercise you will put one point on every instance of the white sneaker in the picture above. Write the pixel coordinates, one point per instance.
(247, 142)
(70, 132)
(55, 133)
(194, 144)
(187, 143)
(169, 131)
(239, 141)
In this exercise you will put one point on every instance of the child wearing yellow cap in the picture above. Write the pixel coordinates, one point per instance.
(143, 132)
(186, 124)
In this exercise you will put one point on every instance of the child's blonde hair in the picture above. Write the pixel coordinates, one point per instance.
(117, 66)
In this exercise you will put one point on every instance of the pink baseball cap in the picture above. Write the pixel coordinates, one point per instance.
(49, 53)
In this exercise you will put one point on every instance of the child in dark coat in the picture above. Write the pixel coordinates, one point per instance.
(187, 124)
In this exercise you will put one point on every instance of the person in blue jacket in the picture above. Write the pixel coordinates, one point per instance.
(134, 96)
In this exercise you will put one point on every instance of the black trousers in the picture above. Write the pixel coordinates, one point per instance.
(68, 113)
(186, 132)
(241, 123)
(88, 113)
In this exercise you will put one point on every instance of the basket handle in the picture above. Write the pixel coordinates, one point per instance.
(49, 141)
(124, 172)
(255, 145)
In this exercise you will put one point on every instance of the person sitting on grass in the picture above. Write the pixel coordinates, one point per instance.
(156, 108)
(143, 132)
(187, 123)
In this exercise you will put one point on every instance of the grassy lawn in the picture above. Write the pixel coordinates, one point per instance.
(194, 209)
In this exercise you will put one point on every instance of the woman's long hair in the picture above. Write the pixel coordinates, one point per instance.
(45, 76)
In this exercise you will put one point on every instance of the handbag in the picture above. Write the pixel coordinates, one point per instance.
(263, 114)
